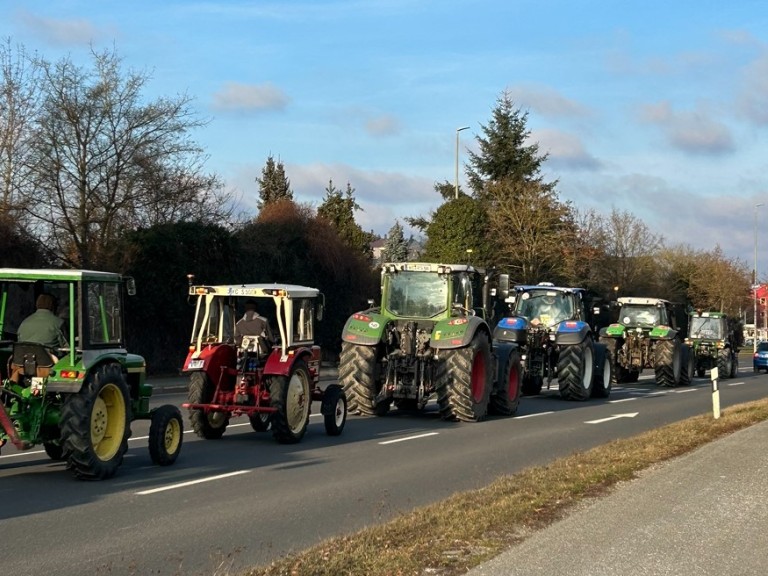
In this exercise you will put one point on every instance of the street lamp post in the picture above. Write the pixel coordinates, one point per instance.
(755, 285)
(456, 179)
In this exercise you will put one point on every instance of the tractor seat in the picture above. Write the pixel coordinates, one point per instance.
(30, 359)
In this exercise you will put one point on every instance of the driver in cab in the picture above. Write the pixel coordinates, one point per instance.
(548, 312)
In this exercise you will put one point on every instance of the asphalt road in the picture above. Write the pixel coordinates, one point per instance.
(245, 499)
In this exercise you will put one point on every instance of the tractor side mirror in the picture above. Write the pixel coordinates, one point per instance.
(503, 290)
(130, 286)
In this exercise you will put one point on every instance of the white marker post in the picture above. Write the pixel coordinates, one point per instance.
(715, 394)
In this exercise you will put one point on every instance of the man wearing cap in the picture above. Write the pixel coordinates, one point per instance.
(43, 326)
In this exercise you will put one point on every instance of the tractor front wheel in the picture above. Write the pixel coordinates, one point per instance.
(464, 381)
(291, 398)
(95, 424)
(260, 421)
(334, 409)
(207, 425)
(166, 433)
(55, 451)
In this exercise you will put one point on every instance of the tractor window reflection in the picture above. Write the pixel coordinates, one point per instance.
(417, 294)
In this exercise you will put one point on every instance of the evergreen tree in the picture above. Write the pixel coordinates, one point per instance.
(273, 184)
(396, 246)
(504, 155)
(339, 208)
(455, 228)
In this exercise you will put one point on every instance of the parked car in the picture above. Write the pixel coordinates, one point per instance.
(760, 359)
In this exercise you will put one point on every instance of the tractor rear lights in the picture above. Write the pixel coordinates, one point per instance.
(361, 317)
(458, 321)
(71, 374)
(513, 323)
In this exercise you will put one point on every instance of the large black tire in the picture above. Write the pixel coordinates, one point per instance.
(575, 364)
(334, 409)
(291, 398)
(701, 371)
(724, 363)
(210, 426)
(95, 424)
(689, 366)
(668, 362)
(505, 399)
(603, 377)
(464, 381)
(358, 376)
(166, 434)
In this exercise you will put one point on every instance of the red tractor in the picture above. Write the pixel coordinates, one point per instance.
(273, 383)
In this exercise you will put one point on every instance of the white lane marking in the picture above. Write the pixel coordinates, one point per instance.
(23, 453)
(614, 417)
(534, 415)
(735, 383)
(409, 438)
(622, 400)
(686, 390)
(191, 482)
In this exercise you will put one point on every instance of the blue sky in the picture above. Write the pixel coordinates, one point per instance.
(658, 108)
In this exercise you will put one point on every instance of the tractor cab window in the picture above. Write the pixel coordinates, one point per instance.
(462, 291)
(219, 323)
(549, 307)
(705, 327)
(303, 313)
(417, 294)
(104, 313)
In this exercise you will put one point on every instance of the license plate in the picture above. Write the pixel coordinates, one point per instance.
(195, 364)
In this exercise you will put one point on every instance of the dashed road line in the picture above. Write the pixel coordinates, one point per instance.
(416, 437)
(191, 483)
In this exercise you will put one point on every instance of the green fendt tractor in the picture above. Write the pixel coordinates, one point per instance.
(77, 399)
(714, 341)
(649, 334)
(430, 337)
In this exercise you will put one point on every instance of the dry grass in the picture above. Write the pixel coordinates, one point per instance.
(452, 536)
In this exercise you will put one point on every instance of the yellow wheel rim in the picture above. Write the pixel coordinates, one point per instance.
(108, 422)
(172, 436)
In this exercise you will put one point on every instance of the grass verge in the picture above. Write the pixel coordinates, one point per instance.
(449, 537)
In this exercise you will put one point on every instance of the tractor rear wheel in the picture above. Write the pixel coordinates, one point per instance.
(724, 363)
(95, 424)
(689, 366)
(464, 381)
(619, 374)
(166, 434)
(667, 362)
(575, 365)
(506, 398)
(207, 425)
(603, 377)
(291, 398)
(358, 370)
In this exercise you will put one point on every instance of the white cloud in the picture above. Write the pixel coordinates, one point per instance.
(565, 150)
(547, 102)
(61, 32)
(695, 131)
(235, 96)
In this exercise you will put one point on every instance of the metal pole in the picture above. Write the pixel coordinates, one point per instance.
(456, 178)
(755, 286)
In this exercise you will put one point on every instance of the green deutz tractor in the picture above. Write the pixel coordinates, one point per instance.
(430, 337)
(648, 334)
(77, 400)
(714, 343)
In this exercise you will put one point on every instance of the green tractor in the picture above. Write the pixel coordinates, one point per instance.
(649, 334)
(714, 343)
(79, 399)
(430, 337)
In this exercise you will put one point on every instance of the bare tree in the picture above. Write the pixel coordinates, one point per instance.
(19, 103)
(104, 161)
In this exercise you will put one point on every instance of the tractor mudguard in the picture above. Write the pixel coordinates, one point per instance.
(502, 352)
(663, 333)
(364, 328)
(511, 329)
(613, 331)
(455, 332)
(571, 332)
(277, 365)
